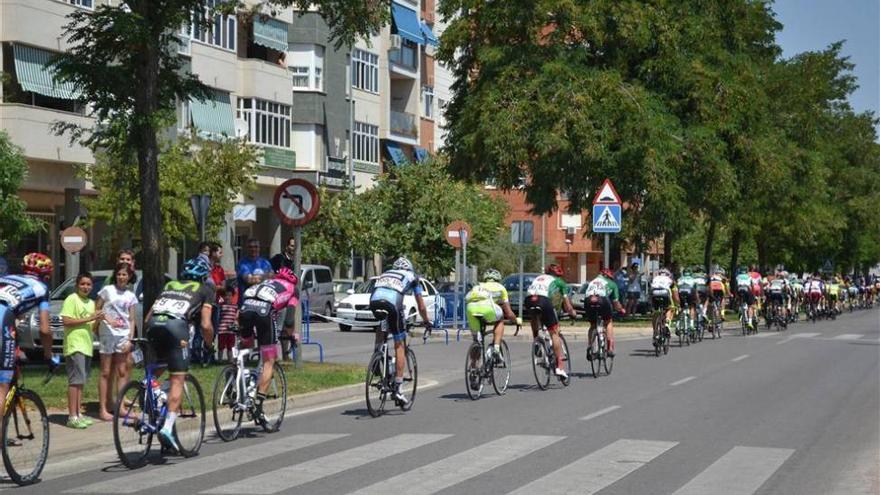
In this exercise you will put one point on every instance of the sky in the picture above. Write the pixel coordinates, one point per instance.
(815, 24)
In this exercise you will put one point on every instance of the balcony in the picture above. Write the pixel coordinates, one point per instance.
(403, 124)
(404, 60)
(261, 79)
(30, 127)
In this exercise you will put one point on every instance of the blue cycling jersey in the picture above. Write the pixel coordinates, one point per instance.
(394, 284)
(20, 293)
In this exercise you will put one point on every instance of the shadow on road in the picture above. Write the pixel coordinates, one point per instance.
(642, 353)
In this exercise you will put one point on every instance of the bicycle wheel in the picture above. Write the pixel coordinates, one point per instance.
(608, 362)
(132, 433)
(566, 359)
(501, 370)
(593, 358)
(25, 437)
(376, 390)
(540, 364)
(657, 339)
(227, 414)
(473, 366)
(682, 334)
(410, 380)
(275, 405)
(190, 425)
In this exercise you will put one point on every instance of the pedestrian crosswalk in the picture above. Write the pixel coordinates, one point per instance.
(442, 467)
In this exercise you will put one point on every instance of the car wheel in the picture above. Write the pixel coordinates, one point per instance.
(328, 310)
(344, 328)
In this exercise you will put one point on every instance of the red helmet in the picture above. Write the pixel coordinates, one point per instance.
(554, 269)
(285, 273)
(607, 272)
(37, 264)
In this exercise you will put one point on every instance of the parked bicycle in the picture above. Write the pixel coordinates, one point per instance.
(482, 365)
(141, 410)
(381, 374)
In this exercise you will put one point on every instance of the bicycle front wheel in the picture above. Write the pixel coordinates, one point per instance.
(541, 364)
(501, 370)
(410, 380)
(190, 425)
(132, 433)
(225, 401)
(473, 371)
(376, 391)
(25, 437)
(275, 405)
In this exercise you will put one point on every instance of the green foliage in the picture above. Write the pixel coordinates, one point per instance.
(187, 166)
(504, 256)
(14, 221)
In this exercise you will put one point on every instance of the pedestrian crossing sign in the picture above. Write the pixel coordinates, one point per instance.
(606, 218)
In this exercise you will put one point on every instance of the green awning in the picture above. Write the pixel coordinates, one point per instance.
(270, 33)
(34, 76)
(214, 115)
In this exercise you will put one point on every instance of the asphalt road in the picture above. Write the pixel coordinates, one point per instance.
(796, 412)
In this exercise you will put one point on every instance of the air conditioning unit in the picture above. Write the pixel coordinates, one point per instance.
(396, 42)
(570, 231)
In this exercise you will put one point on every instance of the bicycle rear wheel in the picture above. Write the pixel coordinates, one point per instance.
(473, 371)
(540, 364)
(275, 405)
(25, 437)
(657, 339)
(608, 361)
(410, 380)
(593, 357)
(227, 416)
(501, 370)
(190, 425)
(566, 359)
(132, 425)
(376, 391)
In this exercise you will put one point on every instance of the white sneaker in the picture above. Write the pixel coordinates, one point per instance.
(561, 373)
(399, 397)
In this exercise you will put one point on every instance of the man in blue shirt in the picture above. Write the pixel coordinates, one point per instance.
(252, 268)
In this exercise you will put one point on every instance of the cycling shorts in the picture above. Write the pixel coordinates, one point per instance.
(718, 295)
(169, 338)
(7, 338)
(702, 294)
(814, 296)
(776, 297)
(396, 323)
(661, 302)
(542, 306)
(747, 296)
(489, 311)
(264, 327)
(832, 297)
(686, 297)
(596, 306)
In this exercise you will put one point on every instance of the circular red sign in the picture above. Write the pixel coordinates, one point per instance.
(296, 202)
(74, 239)
(454, 232)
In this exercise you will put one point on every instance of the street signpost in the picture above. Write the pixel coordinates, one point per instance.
(74, 239)
(457, 235)
(607, 215)
(200, 204)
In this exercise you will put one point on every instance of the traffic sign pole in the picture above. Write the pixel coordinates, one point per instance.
(607, 250)
(298, 316)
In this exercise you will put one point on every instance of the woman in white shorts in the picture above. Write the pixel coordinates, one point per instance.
(115, 334)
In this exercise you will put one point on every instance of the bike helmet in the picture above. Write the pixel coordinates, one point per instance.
(686, 272)
(492, 275)
(742, 270)
(664, 271)
(285, 273)
(554, 269)
(196, 269)
(607, 272)
(37, 264)
(403, 264)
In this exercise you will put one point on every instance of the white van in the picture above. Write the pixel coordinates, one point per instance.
(316, 285)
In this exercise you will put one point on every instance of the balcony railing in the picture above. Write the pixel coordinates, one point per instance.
(404, 124)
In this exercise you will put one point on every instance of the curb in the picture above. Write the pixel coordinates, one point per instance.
(571, 333)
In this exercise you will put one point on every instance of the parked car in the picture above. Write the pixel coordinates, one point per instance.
(577, 298)
(511, 283)
(316, 285)
(341, 290)
(449, 287)
(28, 326)
(355, 308)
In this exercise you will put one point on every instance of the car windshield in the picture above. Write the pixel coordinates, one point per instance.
(512, 282)
(366, 287)
(341, 287)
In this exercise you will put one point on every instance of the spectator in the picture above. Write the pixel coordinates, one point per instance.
(114, 336)
(621, 278)
(252, 269)
(227, 299)
(215, 254)
(124, 256)
(633, 289)
(77, 314)
(285, 258)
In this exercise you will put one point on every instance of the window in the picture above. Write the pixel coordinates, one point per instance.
(268, 122)
(306, 64)
(323, 276)
(405, 56)
(366, 143)
(428, 101)
(81, 3)
(365, 70)
(307, 144)
(220, 33)
(522, 232)
(184, 117)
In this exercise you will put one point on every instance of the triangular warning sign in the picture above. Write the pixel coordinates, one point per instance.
(607, 220)
(607, 195)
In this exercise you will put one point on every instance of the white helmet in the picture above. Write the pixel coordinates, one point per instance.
(403, 264)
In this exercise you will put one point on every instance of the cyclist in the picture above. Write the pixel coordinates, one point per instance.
(547, 293)
(702, 288)
(832, 290)
(387, 297)
(797, 294)
(745, 294)
(184, 302)
(687, 295)
(757, 286)
(602, 293)
(719, 289)
(18, 295)
(489, 300)
(664, 295)
(777, 292)
(814, 290)
(853, 292)
(261, 312)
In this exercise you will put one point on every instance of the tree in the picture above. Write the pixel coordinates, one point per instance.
(123, 60)
(14, 221)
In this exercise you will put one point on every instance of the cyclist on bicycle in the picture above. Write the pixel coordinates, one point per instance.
(664, 295)
(184, 302)
(757, 286)
(832, 290)
(602, 293)
(719, 289)
(262, 309)
(387, 298)
(777, 292)
(745, 294)
(797, 293)
(701, 284)
(547, 293)
(687, 295)
(18, 295)
(814, 290)
(489, 300)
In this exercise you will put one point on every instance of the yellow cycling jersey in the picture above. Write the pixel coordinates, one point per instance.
(487, 291)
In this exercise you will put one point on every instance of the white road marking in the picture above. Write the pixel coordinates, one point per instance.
(315, 469)
(683, 380)
(807, 335)
(452, 470)
(848, 336)
(741, 471)
(598, 470)
(599, 413)
(739, 358)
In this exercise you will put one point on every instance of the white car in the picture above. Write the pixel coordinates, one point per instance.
(354, 310)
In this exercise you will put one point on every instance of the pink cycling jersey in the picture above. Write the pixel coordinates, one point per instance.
(277, 292)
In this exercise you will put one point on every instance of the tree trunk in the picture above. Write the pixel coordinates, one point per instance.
(707, 251)
(735, 238)
(667, 249)
(761, 246)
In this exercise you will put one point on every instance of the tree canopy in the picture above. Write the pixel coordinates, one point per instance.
(15, 223)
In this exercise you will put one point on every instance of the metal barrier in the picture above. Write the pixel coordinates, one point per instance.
(306, 338)
(454, 314)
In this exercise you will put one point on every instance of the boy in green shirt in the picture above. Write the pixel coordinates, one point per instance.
(78, 313)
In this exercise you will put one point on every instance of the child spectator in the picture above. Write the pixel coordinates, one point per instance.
(78, 315)
(227, 298)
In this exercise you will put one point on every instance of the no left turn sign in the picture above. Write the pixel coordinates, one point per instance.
(296, 202)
